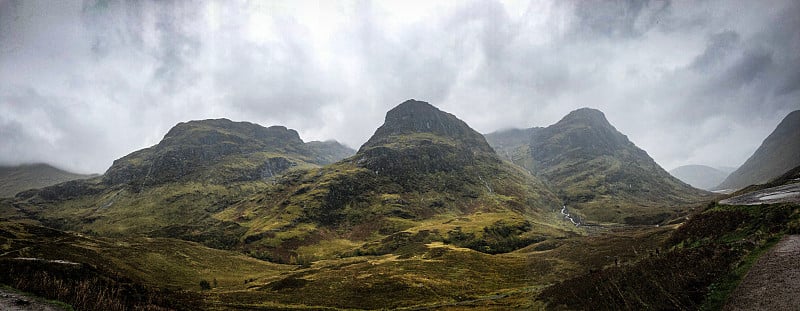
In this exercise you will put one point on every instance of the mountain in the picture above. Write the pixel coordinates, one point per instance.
(172, 189)
(699, 176)
(513, 145)
(327, 152)
(597, 170)
(423, 176)
(726, 169)
(778, 153)
(219, 151)
(14, 179)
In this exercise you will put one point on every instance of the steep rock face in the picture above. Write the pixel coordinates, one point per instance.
(417, 140)
(779, 153)
(415, 117)
(699, 176)
(598, 170)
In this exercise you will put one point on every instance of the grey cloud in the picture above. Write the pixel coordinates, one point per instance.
(618, 19)
(682, 79)
(790, 84)
(746, 69)
(718, 47)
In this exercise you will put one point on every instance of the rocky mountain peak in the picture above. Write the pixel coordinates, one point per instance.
(215, 131)
(413, 116)
(586, 116)
(584, 132)
(192, 149)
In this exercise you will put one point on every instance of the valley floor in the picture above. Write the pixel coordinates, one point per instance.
(773, 282)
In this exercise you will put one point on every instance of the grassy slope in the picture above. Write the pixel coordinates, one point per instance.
(173, 188)
(181, 210)
(14, 179)
(346, 209)
(162, 262)
(445, 276)
(434, 274)
(704, 260)
(601, 173)
(596, 170)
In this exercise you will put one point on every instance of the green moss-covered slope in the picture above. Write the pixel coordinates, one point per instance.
(595, 169)
(423, 172)
(172, 189)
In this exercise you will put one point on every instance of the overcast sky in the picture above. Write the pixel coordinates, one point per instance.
(690, 82)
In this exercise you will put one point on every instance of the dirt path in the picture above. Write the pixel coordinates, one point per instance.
(773, 283)
(13, 301)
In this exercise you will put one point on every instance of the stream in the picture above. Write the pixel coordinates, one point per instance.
(568, 216)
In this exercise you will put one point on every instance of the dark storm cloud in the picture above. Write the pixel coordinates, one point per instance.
(718, 47)
(84, 83)
(617, 19)
(790, 84)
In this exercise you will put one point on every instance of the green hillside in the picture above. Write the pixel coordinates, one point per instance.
(424, 176)
(173, 188)
(14, 179)
(596, 170)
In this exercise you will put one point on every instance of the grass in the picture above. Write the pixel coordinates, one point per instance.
(364, 201)
(162, 262)
(429, 274)
(121, 212)
(698, 266)
(720, 291)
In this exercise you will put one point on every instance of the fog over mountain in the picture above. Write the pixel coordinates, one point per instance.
(84, 83)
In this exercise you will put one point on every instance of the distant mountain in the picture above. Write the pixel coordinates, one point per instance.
(327, 152)
(172, 189)
(778, 153)
(596, 169)
(14, 179)
(514, 145)
(726, 169)
(423, 176)
(699, 176)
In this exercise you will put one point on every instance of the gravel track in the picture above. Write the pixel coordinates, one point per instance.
(13, 301)
(773, 282)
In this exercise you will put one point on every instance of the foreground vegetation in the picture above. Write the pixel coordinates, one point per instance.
(693, 265)
(701, 263)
